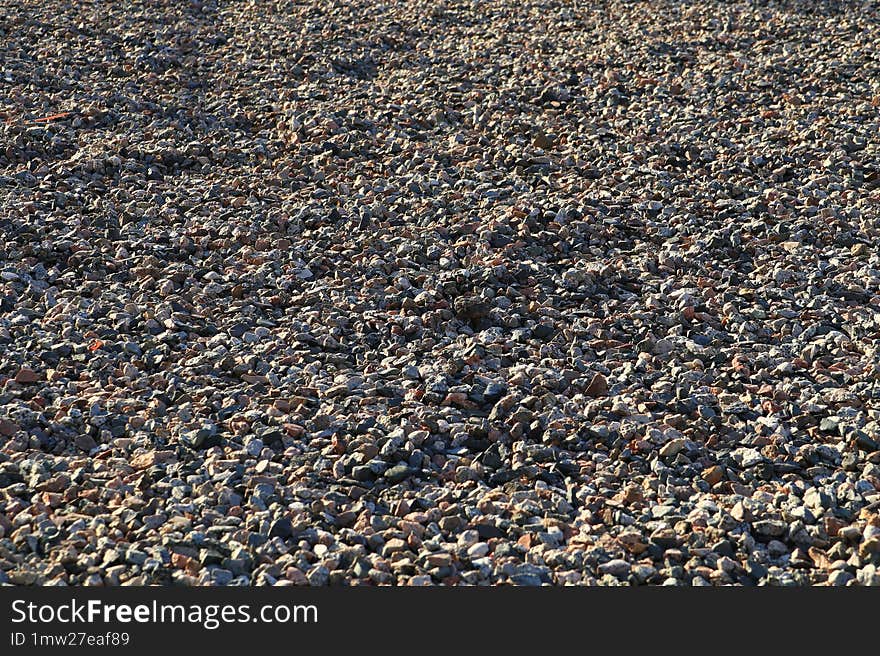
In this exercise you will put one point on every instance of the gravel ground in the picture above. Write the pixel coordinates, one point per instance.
(450, 293)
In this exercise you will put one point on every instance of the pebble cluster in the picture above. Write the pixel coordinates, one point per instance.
(436, 292)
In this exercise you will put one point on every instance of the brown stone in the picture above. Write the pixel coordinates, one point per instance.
(179, 560)
(458, 398)
(150, 458)
(542, 141)
(598, 386)
(411, 528)
(394, 544)
(833, 525)
(713, 475)
(8, 428)
(633, 542)
(296, 576)
(631, 494)
(52, 499)
(819, 558)
(56, 484)
(294, 430)
(26, 376)
(439, 560)
(450, 524)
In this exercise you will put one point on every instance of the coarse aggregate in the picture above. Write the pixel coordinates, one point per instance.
(439, 293)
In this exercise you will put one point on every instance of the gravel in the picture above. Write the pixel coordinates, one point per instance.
(459, 293)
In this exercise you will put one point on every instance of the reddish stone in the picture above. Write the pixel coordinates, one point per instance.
(8, 428)
(26, 376)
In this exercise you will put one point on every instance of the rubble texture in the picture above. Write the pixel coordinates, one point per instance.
(450, 293)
